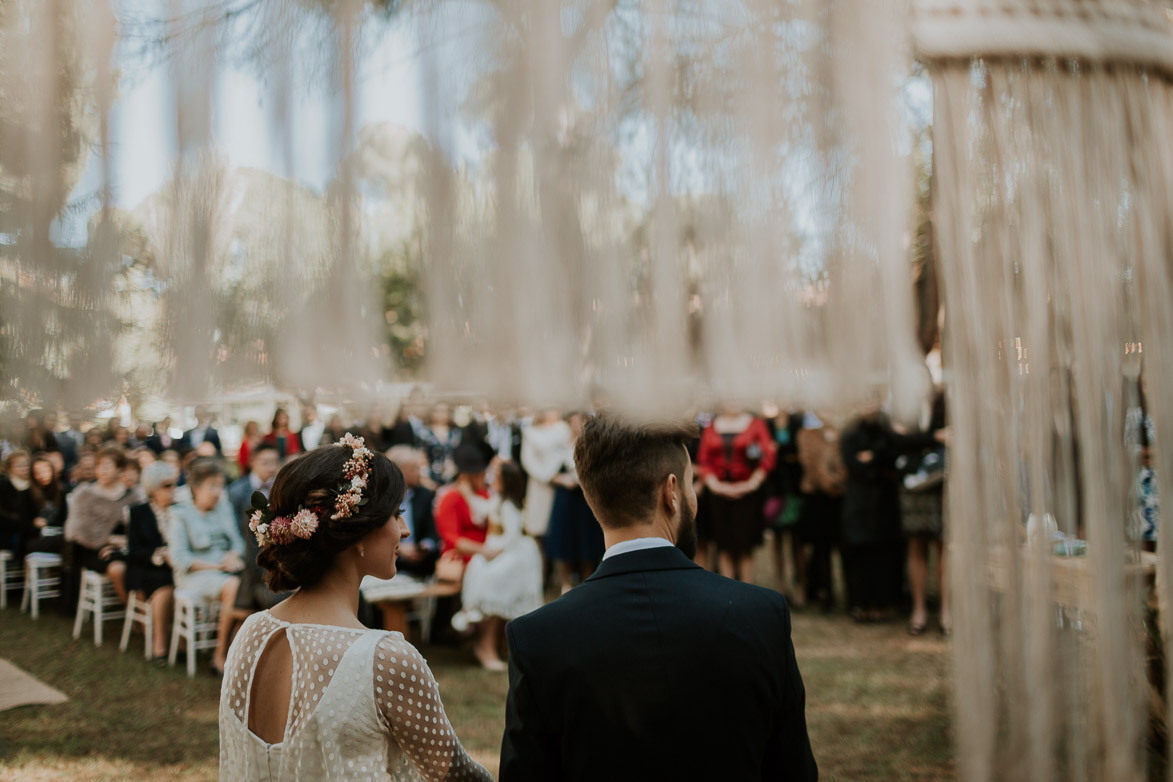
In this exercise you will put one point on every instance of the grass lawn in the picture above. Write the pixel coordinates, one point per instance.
(877, 705)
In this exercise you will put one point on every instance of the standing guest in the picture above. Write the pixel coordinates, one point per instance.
(574, 539)
(373, 432)
(202, 432)
(872, 540)
(504, 581)
(207, 549)
(821, 487)
(38, 437)
(250, 438)
(141, 435)
(401, 432)
(461, 512)
(419, 550)
(544, 445)
(922, 518)
(18, 505)
(438, 438)
(71, 441)
(736, 454)
(161, 440)
(96, 524)
(654, 668)
(784, 505)
(706, 528)
(252, 594)
(148, 566)
(282, 436)
(479, 429)
(334, 431)
(311, 428)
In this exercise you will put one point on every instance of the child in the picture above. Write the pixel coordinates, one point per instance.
(505, 580)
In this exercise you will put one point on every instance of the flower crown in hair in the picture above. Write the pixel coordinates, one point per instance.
(279, 530)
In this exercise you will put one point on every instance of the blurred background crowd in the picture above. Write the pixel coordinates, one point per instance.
(852, 514)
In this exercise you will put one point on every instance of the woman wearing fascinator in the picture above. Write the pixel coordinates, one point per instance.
(309, 693)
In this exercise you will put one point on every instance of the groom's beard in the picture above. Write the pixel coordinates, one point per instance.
(686, 532)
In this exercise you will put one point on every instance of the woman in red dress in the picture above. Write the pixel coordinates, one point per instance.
(736, 454)
(287, 442)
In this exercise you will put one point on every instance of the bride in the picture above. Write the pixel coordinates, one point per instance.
(309, 693)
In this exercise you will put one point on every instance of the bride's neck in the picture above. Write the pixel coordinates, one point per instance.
(333, 600)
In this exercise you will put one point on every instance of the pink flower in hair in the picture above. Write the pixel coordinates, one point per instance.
(304, 523)
(281, 530)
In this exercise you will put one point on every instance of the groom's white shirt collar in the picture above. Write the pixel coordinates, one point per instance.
(636, 544)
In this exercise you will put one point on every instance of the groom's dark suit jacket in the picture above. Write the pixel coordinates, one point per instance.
(655, 669)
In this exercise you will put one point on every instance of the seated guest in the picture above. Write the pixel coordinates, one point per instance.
(148, 569)
(252, 594)
(143, 456)
(504, 581)
(131, 476)
(85, 471)
(96, 526)
(206, 547)
(419, 550)
(461, 512)
(18, 506)
(49, 500)
(262, 467)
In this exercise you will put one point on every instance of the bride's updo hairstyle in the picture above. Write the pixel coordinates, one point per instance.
(312, 481)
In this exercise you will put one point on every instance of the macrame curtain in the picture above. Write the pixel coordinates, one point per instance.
(1052, 208)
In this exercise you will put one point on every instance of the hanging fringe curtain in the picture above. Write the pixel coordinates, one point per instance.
(1053, 209)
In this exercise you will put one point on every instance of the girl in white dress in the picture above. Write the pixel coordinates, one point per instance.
(309, 693)
(504, 581)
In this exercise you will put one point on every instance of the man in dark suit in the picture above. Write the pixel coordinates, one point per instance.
(202, 432)
(420, 549)
(161, 440)
(653, 668)
(252, 594)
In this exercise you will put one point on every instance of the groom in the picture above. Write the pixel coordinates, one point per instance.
(653, 668)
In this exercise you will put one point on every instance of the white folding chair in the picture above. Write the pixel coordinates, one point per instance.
(138, 609)
(195, 624)
(42, 580)
(99, 600)
(11, 576)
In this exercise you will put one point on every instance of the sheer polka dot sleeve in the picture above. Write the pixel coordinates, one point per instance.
(410, 707)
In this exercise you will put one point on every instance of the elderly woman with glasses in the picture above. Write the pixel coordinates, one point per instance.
(207, 549)
(148, 566)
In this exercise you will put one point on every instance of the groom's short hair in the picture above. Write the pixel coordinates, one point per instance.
(622, 462)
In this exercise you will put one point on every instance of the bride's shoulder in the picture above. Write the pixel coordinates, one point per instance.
(396, 653)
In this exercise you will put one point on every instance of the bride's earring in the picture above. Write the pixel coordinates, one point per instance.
(361, 551)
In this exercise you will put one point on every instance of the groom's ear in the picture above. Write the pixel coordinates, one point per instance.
(670, 494)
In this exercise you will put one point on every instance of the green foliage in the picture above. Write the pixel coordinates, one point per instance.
(400, 278)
